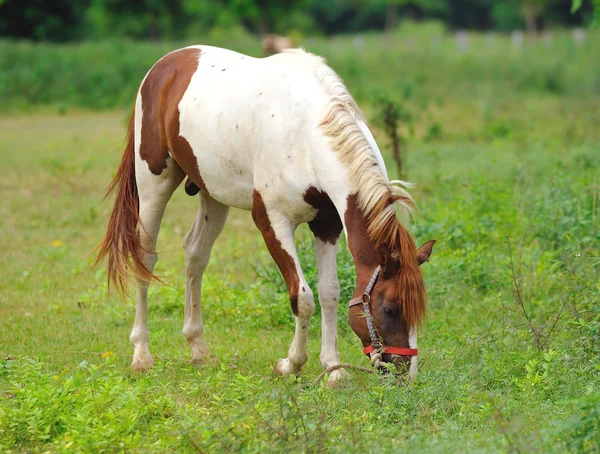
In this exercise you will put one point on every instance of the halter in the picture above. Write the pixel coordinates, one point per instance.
(376, 346)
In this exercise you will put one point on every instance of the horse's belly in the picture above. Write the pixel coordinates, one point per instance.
(227, 178)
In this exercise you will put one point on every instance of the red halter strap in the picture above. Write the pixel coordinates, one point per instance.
(392, 350)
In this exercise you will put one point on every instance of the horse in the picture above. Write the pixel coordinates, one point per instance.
(283, 138)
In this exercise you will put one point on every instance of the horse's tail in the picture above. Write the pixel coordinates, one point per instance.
(122, 241)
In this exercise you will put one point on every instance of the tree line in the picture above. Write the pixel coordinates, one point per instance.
(74, 20)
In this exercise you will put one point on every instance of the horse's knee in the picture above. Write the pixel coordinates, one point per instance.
(305, 303)
(329, 293)
(195, 262)
(149, 260)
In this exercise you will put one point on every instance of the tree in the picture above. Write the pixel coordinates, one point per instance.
(149, 19)
(59, 20)
(532, 10)
(263, 14)
(577, 4)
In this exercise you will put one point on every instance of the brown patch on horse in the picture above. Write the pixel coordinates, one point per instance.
(327, 224)
(366, 256)
(284, 260)
(153, 144)
(161, 93)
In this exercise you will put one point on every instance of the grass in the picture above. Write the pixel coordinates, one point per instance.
(498, 371)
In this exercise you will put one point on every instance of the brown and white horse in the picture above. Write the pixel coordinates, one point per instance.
(283, 138)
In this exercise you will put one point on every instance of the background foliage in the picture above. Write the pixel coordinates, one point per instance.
(106, 74)
(65, 20)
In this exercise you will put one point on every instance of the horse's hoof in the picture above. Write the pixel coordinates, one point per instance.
(142, 364)
(204, 359)
(285, 367)
(198, 347)
(338, 379)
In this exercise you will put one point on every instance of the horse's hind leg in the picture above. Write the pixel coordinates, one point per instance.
(154, 194)
(198, 244)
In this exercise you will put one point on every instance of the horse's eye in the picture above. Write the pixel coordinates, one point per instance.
(389, 312)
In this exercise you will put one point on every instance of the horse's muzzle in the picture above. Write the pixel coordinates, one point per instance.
(401, 364)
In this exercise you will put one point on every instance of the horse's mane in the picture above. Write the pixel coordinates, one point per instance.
(377, 198)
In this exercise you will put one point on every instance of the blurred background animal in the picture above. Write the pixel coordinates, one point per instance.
(274, 44)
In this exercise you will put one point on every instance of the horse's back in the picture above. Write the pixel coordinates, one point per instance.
(243, 123)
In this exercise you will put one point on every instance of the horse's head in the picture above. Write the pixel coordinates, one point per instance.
(392, 301)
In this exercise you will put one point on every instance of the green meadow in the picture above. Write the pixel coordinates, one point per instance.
(504, 146)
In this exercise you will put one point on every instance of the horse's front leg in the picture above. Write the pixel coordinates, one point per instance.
(278, 233)
(327, 232)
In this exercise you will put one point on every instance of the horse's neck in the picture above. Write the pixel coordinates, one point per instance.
(363, 249)
(335, 180)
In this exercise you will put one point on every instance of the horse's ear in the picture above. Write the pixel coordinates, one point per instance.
(424, 252)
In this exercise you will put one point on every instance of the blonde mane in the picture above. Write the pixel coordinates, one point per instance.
(377, 198)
